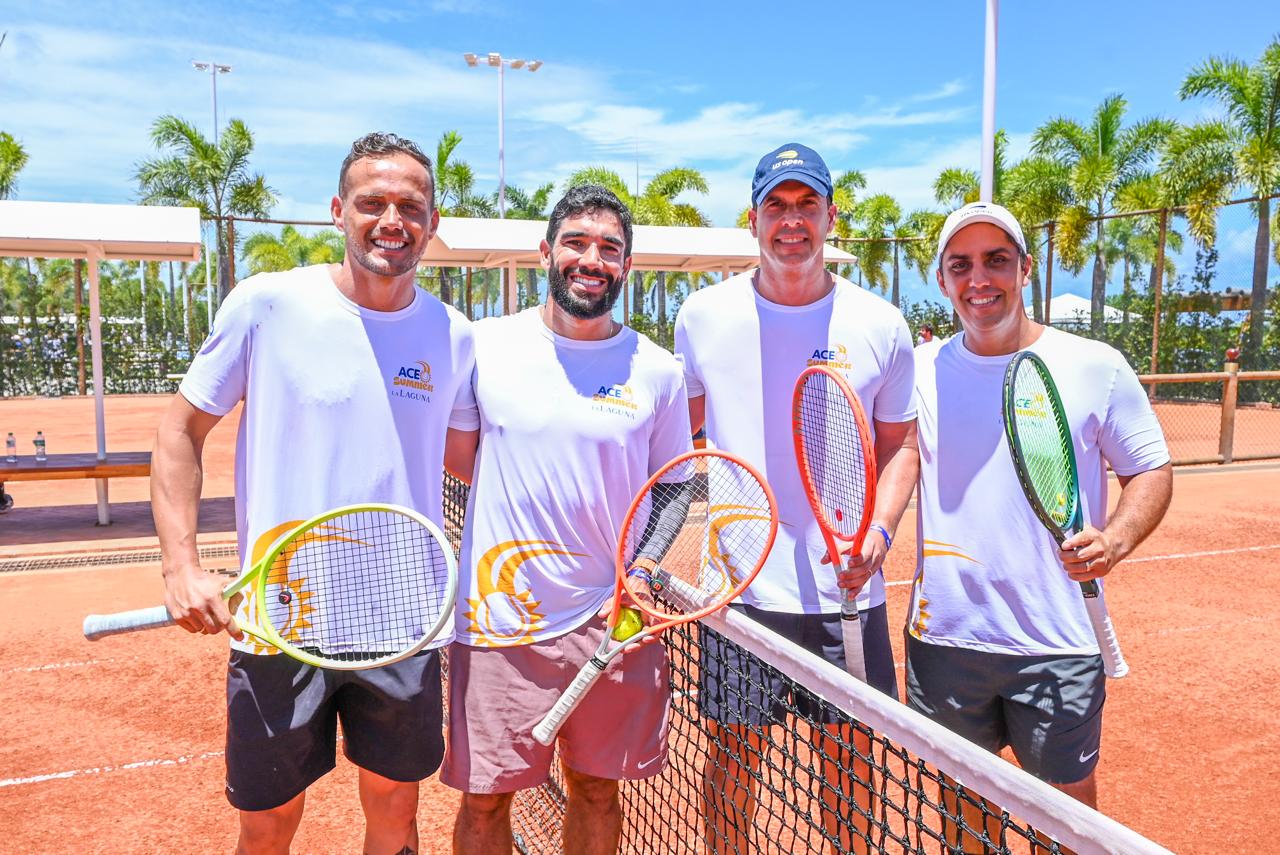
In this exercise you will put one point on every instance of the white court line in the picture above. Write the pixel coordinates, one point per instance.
(27, 669)
(1176, 556)
(102, 770)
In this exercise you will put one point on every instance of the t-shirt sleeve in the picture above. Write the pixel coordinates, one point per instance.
(896, 398)
(684, 354)
(466, 412)
(1131, 440)
(671, 435)
(219, 375)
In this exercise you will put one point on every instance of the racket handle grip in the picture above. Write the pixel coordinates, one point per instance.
(546, 730)
(100, 626)
(1112, 659)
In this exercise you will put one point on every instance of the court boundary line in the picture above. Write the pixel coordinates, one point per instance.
(181, 760)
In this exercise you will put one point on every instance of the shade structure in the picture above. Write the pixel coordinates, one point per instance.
(96, 233)
(1074, 310)
(479, 242)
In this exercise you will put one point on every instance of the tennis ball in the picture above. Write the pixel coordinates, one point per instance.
(629, 623)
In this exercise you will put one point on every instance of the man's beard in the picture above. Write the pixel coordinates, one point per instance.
(579, 307)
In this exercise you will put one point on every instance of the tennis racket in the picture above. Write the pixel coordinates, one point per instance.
(1045, 459)
(694, 537)
(837, 465)
(356, 587)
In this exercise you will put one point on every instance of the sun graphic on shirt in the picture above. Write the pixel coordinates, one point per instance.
(505, 612)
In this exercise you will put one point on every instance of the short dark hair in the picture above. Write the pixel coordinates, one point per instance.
(379, 144)
(589, 197)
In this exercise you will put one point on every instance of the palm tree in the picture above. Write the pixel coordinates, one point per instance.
(879, 221)
(1249, 133)
(522, 205)
(456, 196)
(1101, 159)
(12, 159)
(196, 173)
(266, 252)
(655, 206)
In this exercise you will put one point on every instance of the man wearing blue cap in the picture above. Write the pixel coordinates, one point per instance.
(743, 343)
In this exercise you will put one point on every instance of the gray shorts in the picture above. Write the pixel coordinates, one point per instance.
(1047, 708)
(735, 687)
(282, 721)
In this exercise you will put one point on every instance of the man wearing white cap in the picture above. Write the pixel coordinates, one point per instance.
(999, 646)
(743, 343)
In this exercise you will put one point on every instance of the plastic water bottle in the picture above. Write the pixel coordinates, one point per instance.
(39, 443)
(10, 449)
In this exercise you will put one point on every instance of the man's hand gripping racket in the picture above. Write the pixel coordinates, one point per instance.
(694, 537)
(356, 587)
(837, 463)
(1039, 439)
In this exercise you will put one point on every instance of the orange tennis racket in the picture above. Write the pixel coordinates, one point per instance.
(837, 465)
(694, 537)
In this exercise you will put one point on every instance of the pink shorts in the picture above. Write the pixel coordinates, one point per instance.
(498, 694)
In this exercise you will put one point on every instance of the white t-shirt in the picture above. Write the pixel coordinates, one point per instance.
(343, 404)
(569, 432)
(987, 572)
(744, 354)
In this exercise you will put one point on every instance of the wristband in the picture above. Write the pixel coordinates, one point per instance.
(884, 532)
(640, 573)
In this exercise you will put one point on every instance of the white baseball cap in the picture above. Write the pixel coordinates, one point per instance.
(980, 212)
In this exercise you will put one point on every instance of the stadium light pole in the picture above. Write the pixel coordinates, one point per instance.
(497, 61)
(214, 69)
(987, 191)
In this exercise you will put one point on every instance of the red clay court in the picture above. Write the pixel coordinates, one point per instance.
(115, 746)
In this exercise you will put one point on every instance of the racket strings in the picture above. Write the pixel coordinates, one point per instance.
(707, 553)
(1045, 442)
(358, 587)
(833, 454)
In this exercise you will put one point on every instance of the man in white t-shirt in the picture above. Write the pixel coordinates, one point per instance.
(573, 413)
(348, 373)
(743, 344)
(1000, 648)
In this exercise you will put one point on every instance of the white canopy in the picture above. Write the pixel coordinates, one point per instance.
(94, 233)
(478, 242)
(1072, 309)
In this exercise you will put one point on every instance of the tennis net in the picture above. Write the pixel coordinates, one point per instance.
(877, 778)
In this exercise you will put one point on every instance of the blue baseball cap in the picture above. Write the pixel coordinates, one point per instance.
(791, 162)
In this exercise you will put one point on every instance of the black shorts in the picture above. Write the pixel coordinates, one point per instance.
(1047, 708)
(282, 722)
(735, 687)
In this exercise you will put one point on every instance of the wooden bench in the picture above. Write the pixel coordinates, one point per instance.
(60, 467)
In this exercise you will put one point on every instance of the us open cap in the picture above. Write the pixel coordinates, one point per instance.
(980, 212)
(790, 162)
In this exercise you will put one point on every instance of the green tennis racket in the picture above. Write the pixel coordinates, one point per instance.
(1044, 457)
(355, 587)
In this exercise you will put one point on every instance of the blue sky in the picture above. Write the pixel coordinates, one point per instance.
(894, 90)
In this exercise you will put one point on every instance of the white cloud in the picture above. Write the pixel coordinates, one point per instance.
(948, 89)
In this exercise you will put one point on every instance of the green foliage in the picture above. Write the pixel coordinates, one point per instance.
(266, 252)
(194, 172)
(937, 315)
(662, 335)
(13, 157)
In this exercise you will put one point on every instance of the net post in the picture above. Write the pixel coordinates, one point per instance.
(1227, 430)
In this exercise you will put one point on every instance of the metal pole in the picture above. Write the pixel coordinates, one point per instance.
(502, 174)
(1048, 278)
(142, 289)
(208, 288)
(93, 256)
(989, 102)
(213, 76)
(1156, 288)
